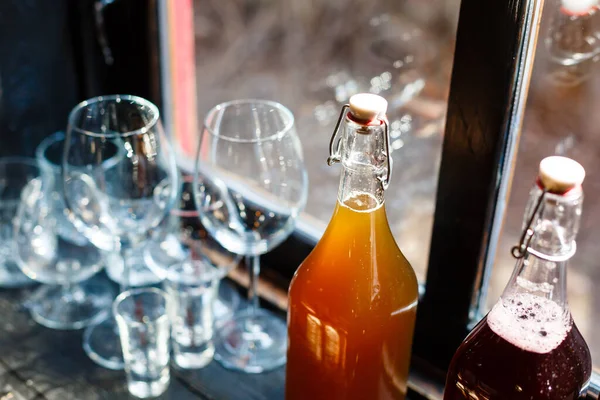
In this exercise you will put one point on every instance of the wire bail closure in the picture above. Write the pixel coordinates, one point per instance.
(521, 249)
(335, 144)
(334, 147)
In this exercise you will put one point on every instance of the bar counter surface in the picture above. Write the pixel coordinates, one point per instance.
(37, 363)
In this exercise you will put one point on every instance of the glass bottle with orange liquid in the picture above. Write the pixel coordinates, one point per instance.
(352, 302)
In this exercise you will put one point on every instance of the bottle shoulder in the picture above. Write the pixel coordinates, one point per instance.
(486, 359)
(342, 266)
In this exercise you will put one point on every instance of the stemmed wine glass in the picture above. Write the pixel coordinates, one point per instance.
(50, 250)
(250, 185)
(181, 237)
(115, 206)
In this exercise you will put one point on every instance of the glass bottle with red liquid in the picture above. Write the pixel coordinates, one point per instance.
(352, 302)
(528, 346)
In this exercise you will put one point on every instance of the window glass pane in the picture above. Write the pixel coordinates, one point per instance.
(311, 56)
(561, 118)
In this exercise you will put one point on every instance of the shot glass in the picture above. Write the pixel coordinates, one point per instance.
(192, 286)
(143, 322)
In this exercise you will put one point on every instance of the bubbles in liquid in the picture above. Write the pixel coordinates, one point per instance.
(361, 202)
(530, 322)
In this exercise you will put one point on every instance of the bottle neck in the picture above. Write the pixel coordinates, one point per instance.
(363, 156)
(542, 271)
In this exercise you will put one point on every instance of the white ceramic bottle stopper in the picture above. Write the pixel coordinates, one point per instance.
(368, 106)
(560, 174)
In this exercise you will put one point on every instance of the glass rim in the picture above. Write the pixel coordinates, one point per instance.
(283, 109)
(132, 292)
(40, 151)
(57, 137)
(118, 98)
(22, 160)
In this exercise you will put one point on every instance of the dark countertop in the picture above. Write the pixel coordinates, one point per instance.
(40, 363)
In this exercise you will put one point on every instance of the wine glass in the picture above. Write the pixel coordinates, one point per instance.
(50, 250)
(70, 299)
(250, 185)
(181, 237)
(115, 206)
(15, 174)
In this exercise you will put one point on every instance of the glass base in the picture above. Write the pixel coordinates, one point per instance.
(139, 274)
(12, 277)
(145, 389)
(193, 359)
(75, 307)
(252, 342)
(102, 344)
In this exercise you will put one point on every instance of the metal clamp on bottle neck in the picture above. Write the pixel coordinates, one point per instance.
(559, 183)
(363, 109)
(521, 249)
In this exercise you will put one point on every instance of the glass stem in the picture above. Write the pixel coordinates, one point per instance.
(253, 264)
(66, 289)
(126, 279)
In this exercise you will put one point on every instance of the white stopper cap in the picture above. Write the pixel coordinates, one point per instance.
(577, 7)
(560, 174)
(368, 106)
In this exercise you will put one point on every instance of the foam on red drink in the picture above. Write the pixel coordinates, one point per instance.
(526, 348)
(530, 322)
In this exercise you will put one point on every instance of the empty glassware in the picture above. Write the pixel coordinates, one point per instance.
(67, 302)
(181, 237)
(116, 206)
(192, 288)
(144, 331)
(250, 186)
(50, 250)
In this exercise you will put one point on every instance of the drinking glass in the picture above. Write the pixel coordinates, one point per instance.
(15, 175)
(66, 302)
(115, 206)
(250, 186)
(181, 237)
(192, 288)
(144, 331)
(50, 250)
